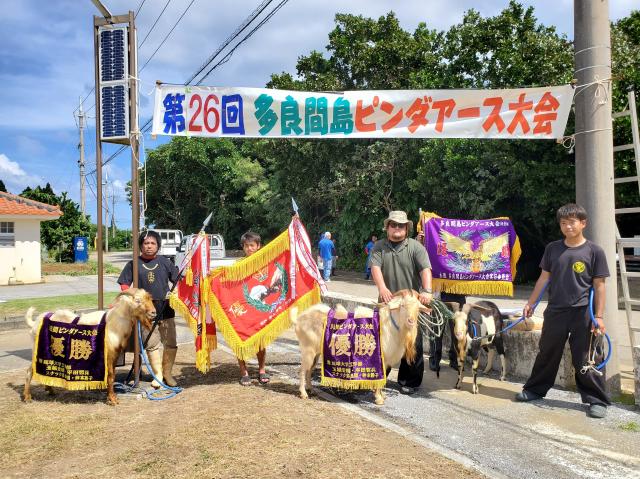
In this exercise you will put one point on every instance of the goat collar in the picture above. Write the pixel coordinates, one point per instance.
(393, 321)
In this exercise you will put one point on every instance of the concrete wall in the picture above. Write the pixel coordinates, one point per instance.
(636, 371)
(21, 264)
(521, 347)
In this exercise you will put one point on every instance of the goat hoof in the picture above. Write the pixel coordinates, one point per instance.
(487, 370)
(112, 401)
(304, 395)
(475, 389)
(27, 398)
(458, 386)
(379, 401)
(503, 378)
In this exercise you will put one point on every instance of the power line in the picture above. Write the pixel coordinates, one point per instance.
(247, 21)
(139, 8)
(167, 36)
(249, 35)
(154, 24)
(243, 26)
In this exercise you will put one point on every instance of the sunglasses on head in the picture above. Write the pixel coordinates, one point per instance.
(393, 224)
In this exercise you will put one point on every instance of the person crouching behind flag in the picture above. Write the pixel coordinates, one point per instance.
(154, 274)
(251, 242)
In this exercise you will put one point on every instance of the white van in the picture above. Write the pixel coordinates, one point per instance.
(171, 240)
(217, 251)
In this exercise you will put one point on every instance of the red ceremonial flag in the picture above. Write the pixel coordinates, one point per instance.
(191, 298)
(250, 300)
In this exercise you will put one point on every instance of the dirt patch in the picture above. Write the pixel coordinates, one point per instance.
(216, 428)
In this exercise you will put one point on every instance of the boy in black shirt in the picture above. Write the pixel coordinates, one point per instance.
(154, 274)
(571, 266)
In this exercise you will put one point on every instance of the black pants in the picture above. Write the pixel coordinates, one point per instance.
(575, 324)
(411, 374)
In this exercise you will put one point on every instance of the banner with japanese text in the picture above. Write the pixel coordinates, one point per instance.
(250, 300)
(520, 113)
(471, 256)
(70, 355)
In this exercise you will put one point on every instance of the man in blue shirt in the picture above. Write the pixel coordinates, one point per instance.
(326, 253)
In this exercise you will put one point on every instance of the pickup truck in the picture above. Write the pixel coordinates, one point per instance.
(217, 251)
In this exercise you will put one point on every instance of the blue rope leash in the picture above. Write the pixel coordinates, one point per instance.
(606, 335)
(172, 391)
(522, 318)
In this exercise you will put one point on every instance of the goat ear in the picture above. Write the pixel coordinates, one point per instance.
(395, 302)
(482, 309)
(466, 308)
(453, 306)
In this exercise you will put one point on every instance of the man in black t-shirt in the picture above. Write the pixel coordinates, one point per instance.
(154, 274)
(571, 267)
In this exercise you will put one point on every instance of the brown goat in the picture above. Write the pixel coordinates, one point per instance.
(398, 324)
(129, 306)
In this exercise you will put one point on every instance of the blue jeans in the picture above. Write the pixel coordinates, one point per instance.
(326, 268)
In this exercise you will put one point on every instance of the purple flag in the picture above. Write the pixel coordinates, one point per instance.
(352, 354)
(70, 355)
(472, 256)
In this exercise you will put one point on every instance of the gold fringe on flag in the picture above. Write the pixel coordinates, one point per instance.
(261, 258)
(209, 342)
(247, 349)
(456, 286)
(63, 383)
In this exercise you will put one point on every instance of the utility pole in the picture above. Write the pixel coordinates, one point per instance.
(594, 152)
(81, 125)
(106, 212)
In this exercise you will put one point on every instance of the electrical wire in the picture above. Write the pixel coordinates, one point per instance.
(154, 24)
(167, 36)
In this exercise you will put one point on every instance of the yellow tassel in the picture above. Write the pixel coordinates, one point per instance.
(492, 288)
(353, 384)
(189, 276)
(69, 385)
(258, 260)
(247, 349)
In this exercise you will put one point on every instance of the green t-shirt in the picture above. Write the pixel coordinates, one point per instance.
(401, 263)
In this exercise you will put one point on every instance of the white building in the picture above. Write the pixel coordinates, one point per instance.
(20, 237)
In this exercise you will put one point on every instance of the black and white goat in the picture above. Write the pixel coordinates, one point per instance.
(481, 321)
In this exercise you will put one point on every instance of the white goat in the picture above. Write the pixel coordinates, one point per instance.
(398, 324)
(129, 306)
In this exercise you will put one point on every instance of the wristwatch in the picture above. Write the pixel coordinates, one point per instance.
(426, 290)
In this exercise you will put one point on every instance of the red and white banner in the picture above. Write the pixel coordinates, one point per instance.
(519, 113)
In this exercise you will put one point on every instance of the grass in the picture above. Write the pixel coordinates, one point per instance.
(625, 398)
(77, 269)
(631, 426)
(17, 307)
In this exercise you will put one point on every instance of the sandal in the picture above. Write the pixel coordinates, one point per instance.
(245, 380)
(264, 378)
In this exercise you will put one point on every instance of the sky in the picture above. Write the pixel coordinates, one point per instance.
(47, 67)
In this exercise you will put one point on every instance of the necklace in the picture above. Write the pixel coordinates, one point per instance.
(149, 269)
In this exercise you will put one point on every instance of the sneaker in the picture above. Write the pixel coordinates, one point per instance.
(597, 411)
(408, 390)
(526, 396)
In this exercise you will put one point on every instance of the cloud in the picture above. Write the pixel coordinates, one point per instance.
(14, 177)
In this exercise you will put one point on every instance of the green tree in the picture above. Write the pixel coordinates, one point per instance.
(60, 232)
(2, 187)
(188, 178)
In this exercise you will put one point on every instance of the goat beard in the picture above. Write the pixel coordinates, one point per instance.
(410, 345)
